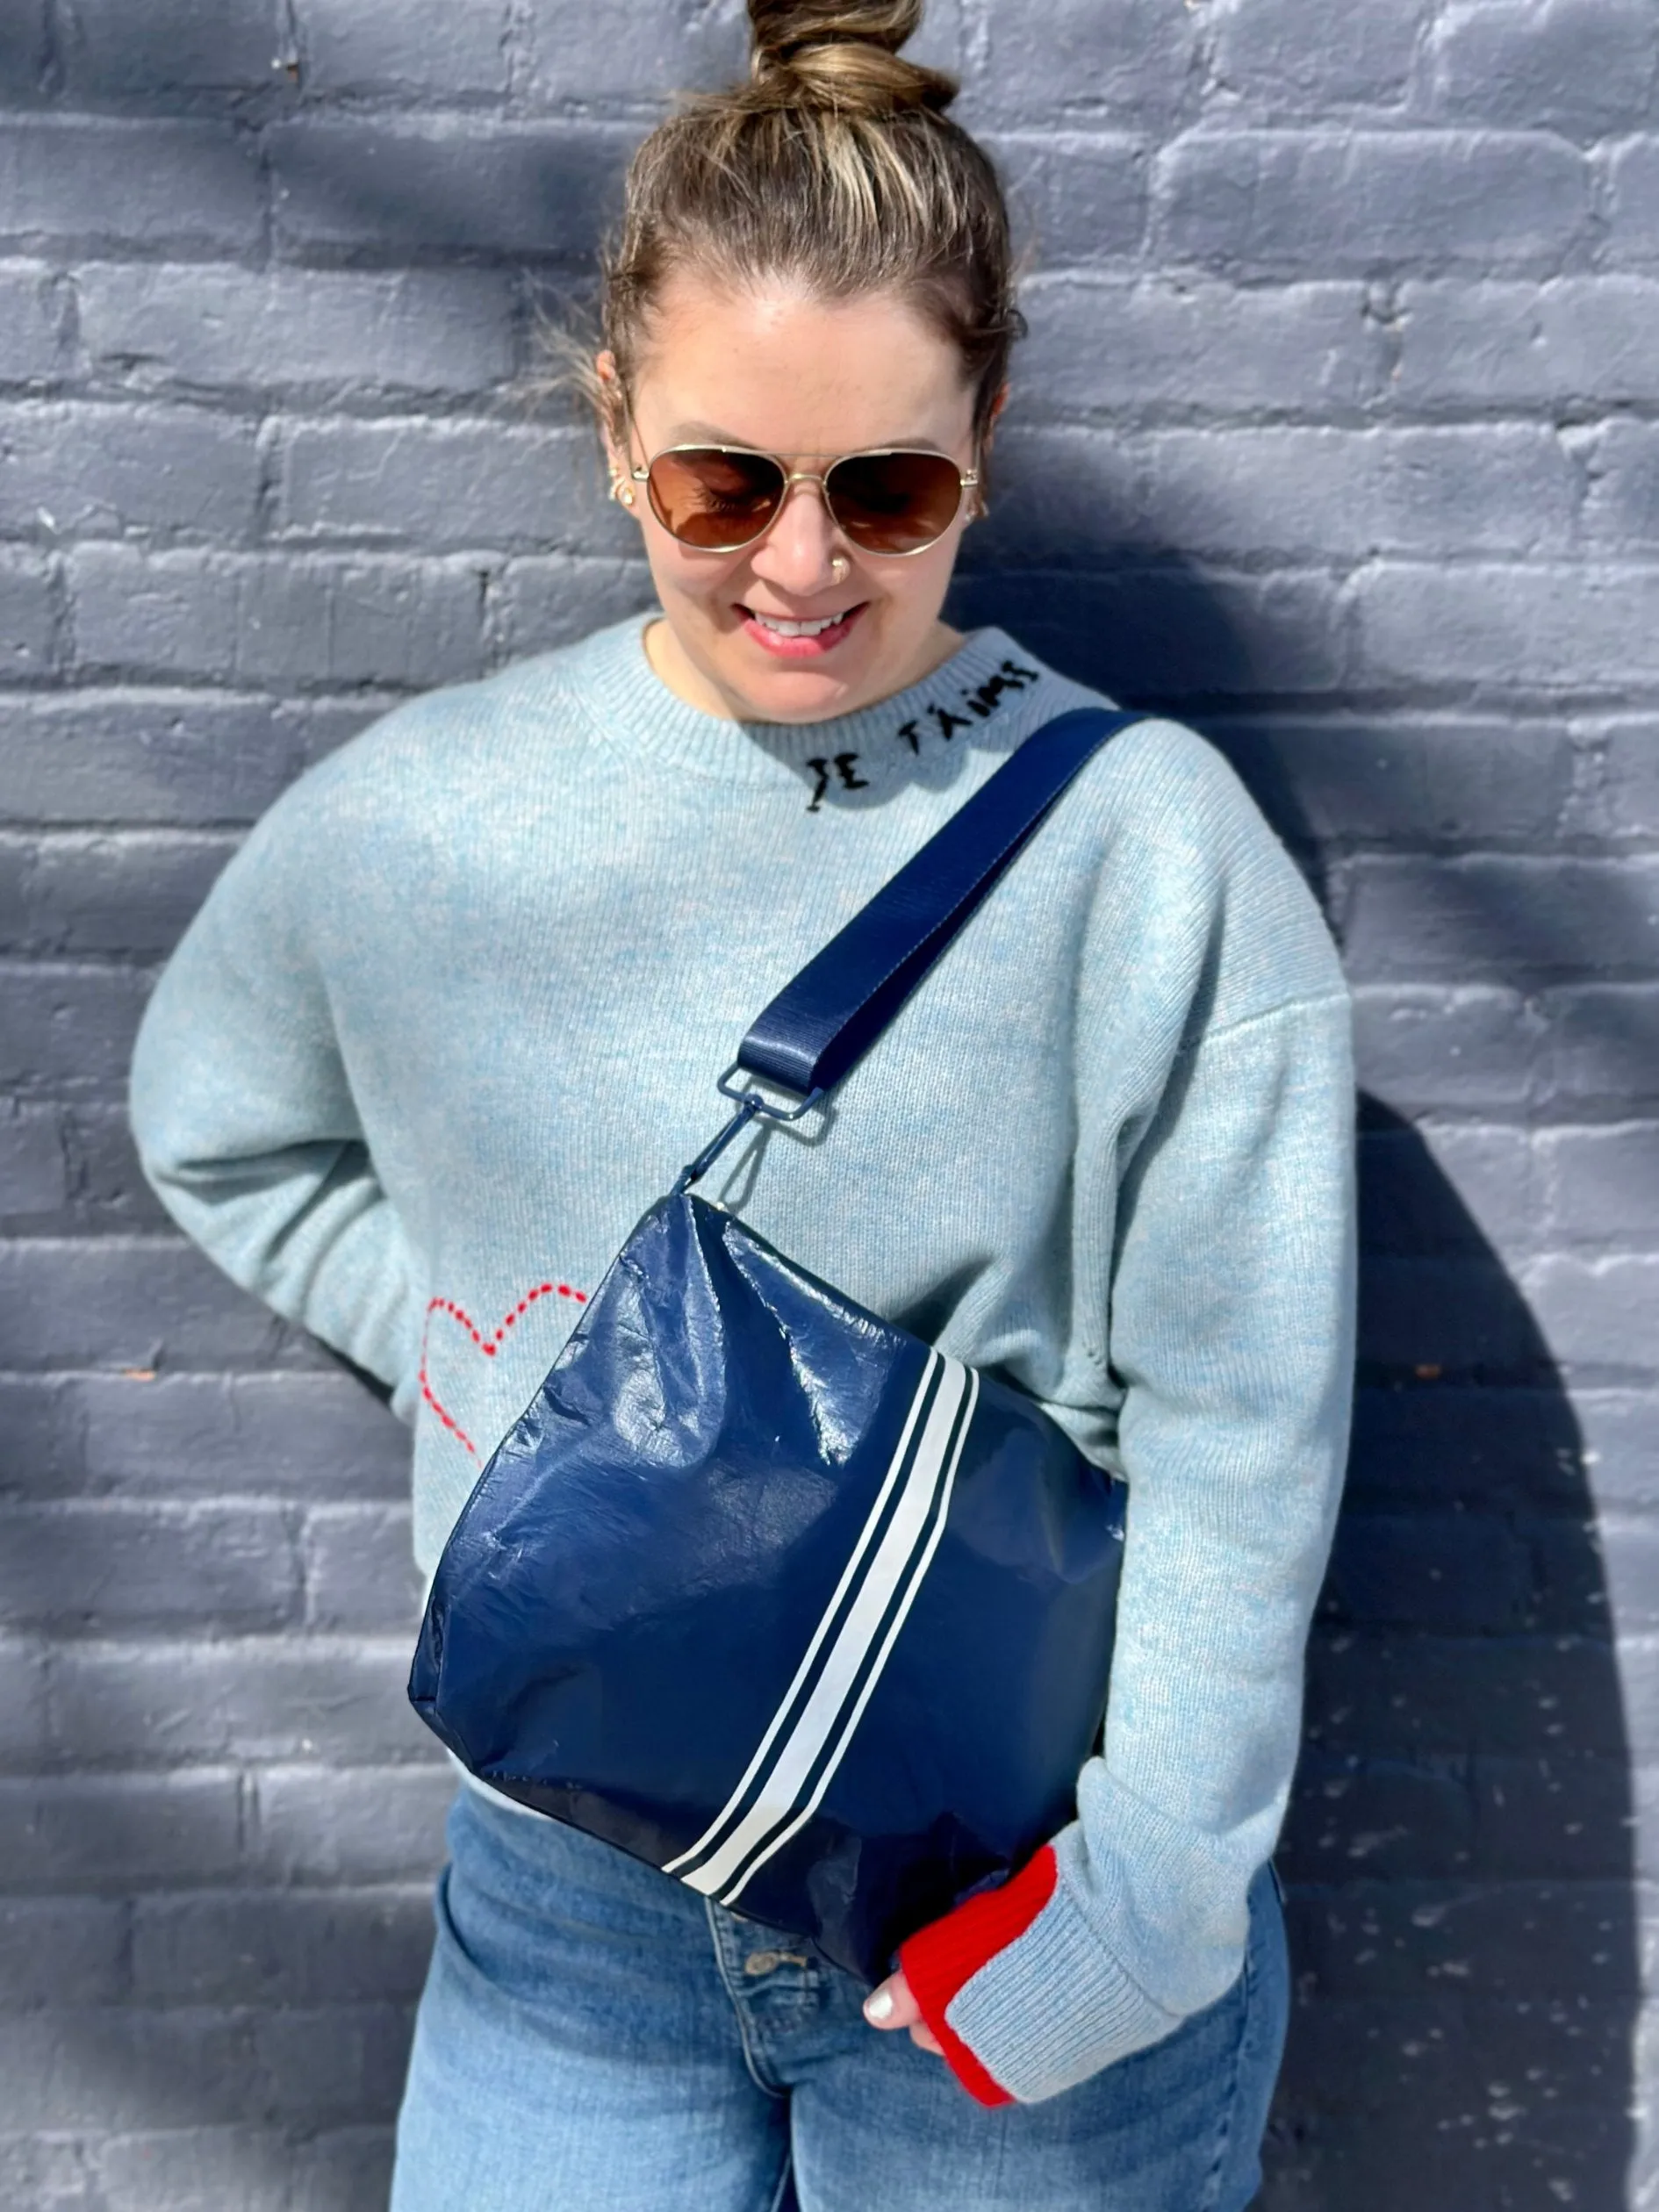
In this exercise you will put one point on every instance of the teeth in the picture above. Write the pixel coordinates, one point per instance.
(799, 629)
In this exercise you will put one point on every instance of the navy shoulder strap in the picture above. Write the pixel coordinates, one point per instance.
(825, 1020)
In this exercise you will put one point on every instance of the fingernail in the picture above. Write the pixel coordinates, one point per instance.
(878, 2005)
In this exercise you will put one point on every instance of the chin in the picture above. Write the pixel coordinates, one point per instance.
(817, 697)
(780, 692)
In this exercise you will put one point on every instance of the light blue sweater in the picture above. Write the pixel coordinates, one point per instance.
(451, 1020)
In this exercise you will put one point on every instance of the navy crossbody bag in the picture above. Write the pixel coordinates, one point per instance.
(761, 1588)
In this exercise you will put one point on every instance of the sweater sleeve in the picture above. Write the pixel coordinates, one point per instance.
(244, 1115)
(1232, 1330)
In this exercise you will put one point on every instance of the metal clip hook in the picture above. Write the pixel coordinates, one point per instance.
(750, 1104)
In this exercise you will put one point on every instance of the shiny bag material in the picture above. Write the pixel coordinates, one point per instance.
(761, 1588)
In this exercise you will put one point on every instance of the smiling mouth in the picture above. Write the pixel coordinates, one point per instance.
(787, 638)
(816, 628)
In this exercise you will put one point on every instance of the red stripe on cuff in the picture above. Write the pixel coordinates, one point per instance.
(939, 1958)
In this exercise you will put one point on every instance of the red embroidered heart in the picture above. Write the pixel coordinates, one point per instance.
(487, 1345)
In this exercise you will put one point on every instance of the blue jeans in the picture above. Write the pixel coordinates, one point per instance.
(595, 2038)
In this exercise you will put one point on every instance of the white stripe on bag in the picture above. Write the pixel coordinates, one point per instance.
(711, 1835)
(910, 1529)
(874, 1676)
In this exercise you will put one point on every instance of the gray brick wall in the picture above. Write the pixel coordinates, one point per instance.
(1336, 432)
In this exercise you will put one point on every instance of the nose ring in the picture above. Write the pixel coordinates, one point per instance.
(840, 569)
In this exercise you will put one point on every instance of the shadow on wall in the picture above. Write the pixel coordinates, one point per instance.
(1459, 1855)
(1460, 1848)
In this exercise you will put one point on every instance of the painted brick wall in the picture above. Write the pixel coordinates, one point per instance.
(1338, 429)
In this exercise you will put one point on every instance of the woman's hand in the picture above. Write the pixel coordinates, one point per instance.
(892, 2005)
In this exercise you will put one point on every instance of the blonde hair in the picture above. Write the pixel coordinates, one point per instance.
(836, 166)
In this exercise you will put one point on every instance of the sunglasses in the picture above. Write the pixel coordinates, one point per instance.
(720, 498)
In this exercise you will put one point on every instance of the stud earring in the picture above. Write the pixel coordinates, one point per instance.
(840, 569)
(621, 490)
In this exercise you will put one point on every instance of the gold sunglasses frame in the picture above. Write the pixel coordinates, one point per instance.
(966, 480)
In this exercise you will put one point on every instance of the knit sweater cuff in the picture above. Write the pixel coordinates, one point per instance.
(1022, 1997)
(939, 1958)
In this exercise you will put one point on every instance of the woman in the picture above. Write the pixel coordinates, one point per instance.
(450, 1019)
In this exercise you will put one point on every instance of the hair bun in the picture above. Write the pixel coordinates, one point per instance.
(843, 54)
